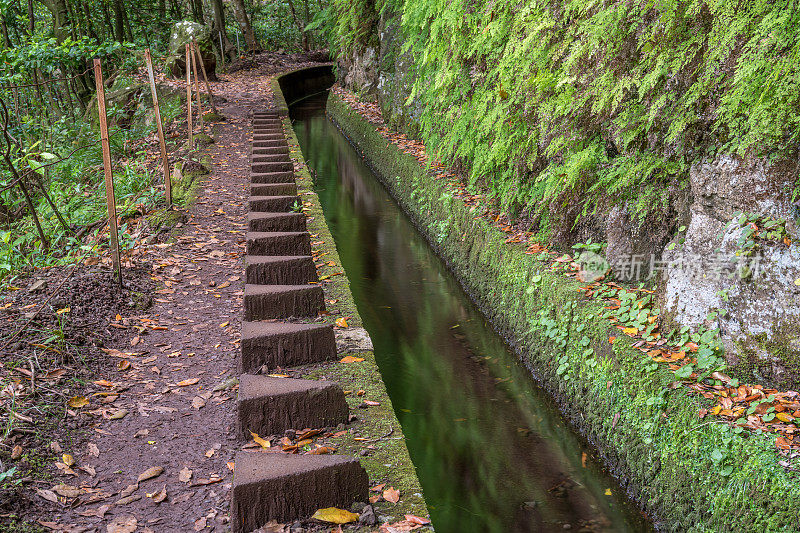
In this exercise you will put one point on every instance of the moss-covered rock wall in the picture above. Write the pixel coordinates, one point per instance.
(690, 474)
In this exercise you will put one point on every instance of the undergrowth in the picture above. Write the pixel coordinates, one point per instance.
(74, 180)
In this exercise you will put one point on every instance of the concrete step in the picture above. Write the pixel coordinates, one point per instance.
(282, 344)
(262, 302)
(271, 222)
(278, 243)
(280, 143)
(274, 189)
(269, 136)
(279, 269)
(284, 487)
(283, 176)
(270, 158)
(273, 204)
(270, 406)
(284, 150)
(277, 166)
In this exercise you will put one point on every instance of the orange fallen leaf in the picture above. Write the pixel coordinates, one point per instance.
(351, 359)
(187, 382)
(341, 322)
(391, 495)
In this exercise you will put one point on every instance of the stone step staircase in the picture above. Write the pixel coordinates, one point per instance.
(280, 288)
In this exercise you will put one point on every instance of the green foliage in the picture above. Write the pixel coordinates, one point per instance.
(549, 103)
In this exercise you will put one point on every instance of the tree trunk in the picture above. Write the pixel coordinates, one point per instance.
(31, 18)
(127, 21)
(218, 29)
(6, 39)
(298, 23)
(119, 20)
(60, 13)
(108, 26)
(197, 11)
(247, 29)
(89, 25)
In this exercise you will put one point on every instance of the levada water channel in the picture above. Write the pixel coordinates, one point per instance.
(492, 452)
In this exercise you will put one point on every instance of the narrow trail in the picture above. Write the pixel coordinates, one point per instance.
(175, 419)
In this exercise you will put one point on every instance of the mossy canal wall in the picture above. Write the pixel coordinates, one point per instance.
(688, 474)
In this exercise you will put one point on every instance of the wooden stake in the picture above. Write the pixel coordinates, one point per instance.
(197, 91)
(111, 202)
(205, 76)
(189, 97)
(160, 127)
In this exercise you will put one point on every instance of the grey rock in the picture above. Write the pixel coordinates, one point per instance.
(761, 318)
(367, 516)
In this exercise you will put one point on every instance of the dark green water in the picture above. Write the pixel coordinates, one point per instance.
(491, 451)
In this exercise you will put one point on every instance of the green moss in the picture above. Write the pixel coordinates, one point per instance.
(648, 433)
(213, 117)
(389, 461)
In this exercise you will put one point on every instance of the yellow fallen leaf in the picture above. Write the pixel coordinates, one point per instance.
(123, 365)
(335, 516)
(62, 311)
(341, 322)
(630, 331)
(784, 417)
(187, 382)
(224, 324)
(77, 402)
(67, 459)
(608, 492)
(261, 442)
(351, 359)
(150, 473)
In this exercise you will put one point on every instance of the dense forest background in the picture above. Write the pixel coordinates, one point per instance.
(51, 161)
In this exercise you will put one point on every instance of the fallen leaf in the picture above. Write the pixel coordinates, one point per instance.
(48, 495)
(417, 519)
(341, 322)
(159, 496)
(150, 473)
(187, 382)
(118, 414)
(335, 515)
(351, 359)
(198, 402)
(261, 442)
(127, 491)
(94, 451)
(200, 523)
(98, 512)
(123, 365)
(68, 460)
(67, 491)
(185, 475)
(122, 524)
(76, 402)
(391, 495)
